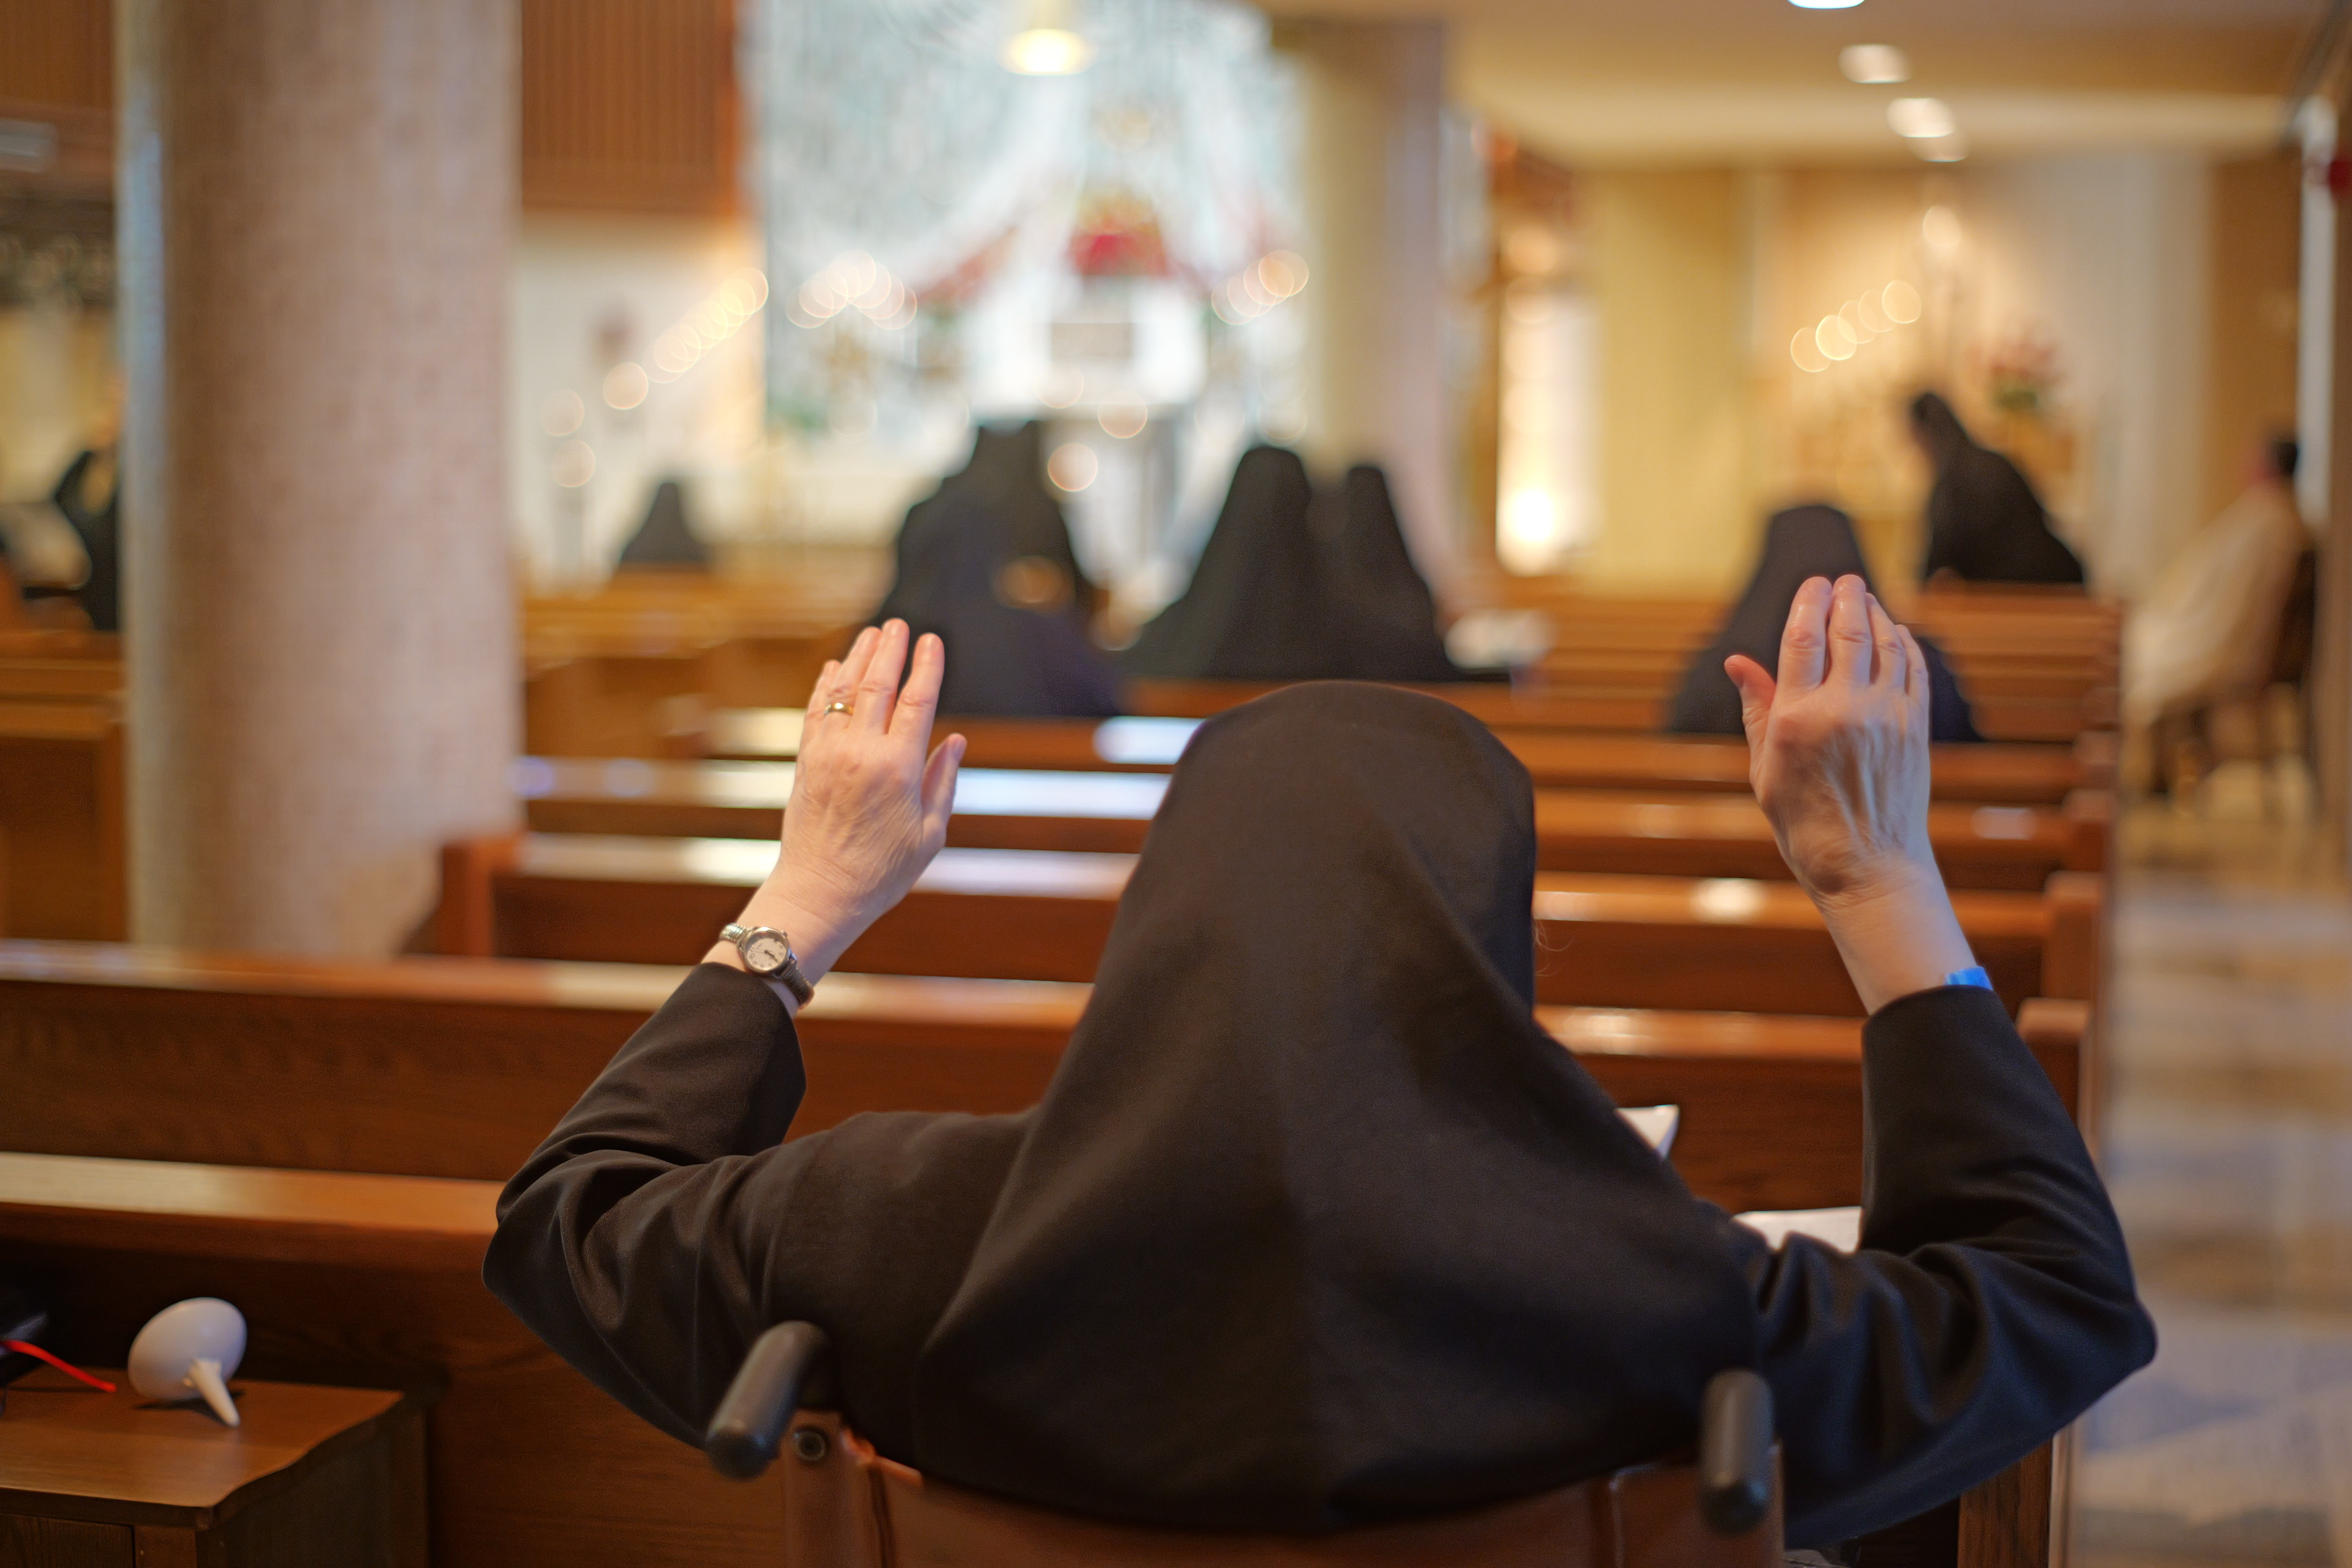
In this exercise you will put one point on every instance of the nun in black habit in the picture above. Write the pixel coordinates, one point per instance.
(1985, 524)
(1316, 1226)
(1005, 474)
(1258, 608)
(1385, 615)
(663, 539)
(1012, 659)
(1802, 543)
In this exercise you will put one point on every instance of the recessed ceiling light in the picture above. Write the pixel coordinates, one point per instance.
(1825, 5)
(1942, 149)
(1921, 119)
(1875, 63)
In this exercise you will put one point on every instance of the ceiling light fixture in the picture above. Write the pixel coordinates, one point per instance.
(1874, 65)
(1942, 149)
(1824, 4)
(1921, 119)
(1047, 41)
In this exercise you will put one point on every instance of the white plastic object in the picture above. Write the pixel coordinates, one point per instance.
(191, 1347)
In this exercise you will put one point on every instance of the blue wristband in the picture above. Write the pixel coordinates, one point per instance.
(1975, 976)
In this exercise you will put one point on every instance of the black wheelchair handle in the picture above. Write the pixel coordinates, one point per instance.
(1735, 1452)
(749, 1425)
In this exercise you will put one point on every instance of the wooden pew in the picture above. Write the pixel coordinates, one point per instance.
(1577, 830)
(61, 816)
(1606, 941)
(1991, 775)
(1505, 708)
(457, 1068)
(376, 1280)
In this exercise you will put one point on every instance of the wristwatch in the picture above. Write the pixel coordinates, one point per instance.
(768, 953)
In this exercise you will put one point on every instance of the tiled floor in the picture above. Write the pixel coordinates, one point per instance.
(2229, 1147)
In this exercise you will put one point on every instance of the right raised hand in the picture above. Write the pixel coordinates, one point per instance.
(871, 798)
(1837, 752)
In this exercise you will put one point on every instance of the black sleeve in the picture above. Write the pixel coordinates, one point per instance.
(634, 1240)
(1991, 1301)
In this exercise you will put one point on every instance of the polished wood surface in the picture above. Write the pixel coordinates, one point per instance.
(1603, 940)
(1987, 773)
(528, 1463)
(63, 1439)
(458, 1068)
(1576, 830)
(1532, 707)
(61, 816)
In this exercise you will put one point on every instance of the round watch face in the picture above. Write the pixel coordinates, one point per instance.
(765, 953)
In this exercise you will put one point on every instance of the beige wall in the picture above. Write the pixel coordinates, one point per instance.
(2257, 206)
(1669, 273)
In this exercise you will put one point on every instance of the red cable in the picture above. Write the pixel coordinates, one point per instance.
(37, 1354)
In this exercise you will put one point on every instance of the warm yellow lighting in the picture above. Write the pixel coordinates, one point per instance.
(1533, 248)
(1047, 52)
(1921, 119)
(1072, 466)
(625, 385)
(1834, 339)
(1851, 314)
(1526, 409)
(1867, 312)
(1528, 302)
(562, 413)
(1875, 63)
(1065, 384)
(1124, 419)
(574, 464)
(1807, 354)
(1942, 149)
(1941, 228)
(1900, 301)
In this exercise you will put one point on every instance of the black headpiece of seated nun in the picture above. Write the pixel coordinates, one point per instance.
(1314, 1224)
(1802, 543)
(1258, 607)
(1004, 660)
(1387, 616)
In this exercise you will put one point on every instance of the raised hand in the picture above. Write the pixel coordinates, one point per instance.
(871, 802)
(1837, 752)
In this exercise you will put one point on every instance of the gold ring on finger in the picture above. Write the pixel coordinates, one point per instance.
(838, 707)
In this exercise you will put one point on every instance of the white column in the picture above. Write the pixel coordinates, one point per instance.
(315, 198)
(1373, 95)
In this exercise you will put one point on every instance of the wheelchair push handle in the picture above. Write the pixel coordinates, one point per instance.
(1735, 1452)
(749, 1425)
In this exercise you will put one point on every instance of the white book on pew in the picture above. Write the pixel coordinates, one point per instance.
(1840, 1229)
(1655, 1123)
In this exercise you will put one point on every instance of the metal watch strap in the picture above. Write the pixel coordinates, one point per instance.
(786, 974)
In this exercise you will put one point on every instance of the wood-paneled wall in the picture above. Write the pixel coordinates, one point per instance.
(627, 106)
(58, 52)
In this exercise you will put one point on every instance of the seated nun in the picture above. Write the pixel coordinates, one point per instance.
(1258, 607)
(1384, 614)
(1799, 543)
(1985, 524)
(1020, 649)
(1005, 473)
(663, 541)
(2207, 631)
(1316, 1226)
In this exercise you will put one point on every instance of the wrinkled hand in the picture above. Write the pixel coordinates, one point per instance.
(1837, 747)
(1837, 752)
(871, 795)
(870, 800)
(1838, 760)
